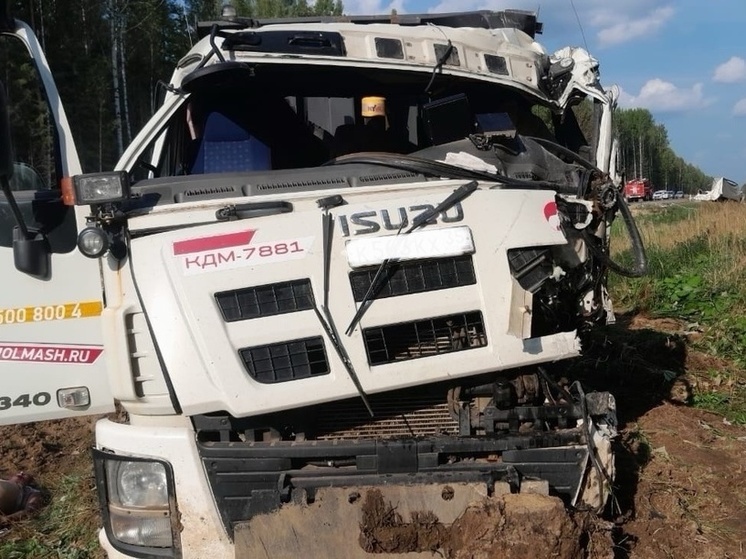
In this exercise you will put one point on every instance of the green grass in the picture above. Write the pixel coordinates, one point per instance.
(697, 274)
(724, 393)
(67, 528)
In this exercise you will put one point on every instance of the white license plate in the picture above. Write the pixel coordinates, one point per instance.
(433, 243)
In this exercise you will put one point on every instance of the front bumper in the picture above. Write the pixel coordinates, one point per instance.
(202, 534)
(229, 489)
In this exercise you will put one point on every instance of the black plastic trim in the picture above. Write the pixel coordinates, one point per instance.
(286, 361)
(519, 19)
(320, 43)
(265, 300)
(416, 276)
(250, 478)
(393, 342)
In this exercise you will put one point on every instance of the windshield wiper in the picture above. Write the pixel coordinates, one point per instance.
(438, 169)
(456, 196)
(324, 314)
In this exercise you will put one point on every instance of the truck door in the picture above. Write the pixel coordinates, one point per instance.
(51, 363)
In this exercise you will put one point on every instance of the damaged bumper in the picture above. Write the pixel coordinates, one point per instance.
(293, 498)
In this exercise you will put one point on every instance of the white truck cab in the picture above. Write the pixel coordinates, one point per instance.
(334, 269)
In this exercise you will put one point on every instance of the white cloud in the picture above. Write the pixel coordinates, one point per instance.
(739, 109)
(732, 71)
(659, 95)
(627, 29)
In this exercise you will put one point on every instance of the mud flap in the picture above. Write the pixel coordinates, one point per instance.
(360, 522)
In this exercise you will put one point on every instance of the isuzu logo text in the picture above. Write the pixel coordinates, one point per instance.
(372, 221)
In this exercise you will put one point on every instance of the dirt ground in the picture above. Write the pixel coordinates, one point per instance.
(680, 489)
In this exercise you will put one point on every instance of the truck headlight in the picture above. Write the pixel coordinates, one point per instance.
(137, 484)
(138, 502)
(99, 188)
(93, 242)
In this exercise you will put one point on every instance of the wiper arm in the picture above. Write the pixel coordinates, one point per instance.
(252, 209)
(324, 314)
(456, 196)
(438, 169)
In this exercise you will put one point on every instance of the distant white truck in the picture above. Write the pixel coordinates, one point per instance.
(722, 189)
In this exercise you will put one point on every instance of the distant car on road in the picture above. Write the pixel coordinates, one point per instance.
(679, 194)
(660, 195)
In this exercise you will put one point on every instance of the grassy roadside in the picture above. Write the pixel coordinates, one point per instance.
(697, 258)
(67, 528)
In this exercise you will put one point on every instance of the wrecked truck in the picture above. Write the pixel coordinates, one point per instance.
(334, 270)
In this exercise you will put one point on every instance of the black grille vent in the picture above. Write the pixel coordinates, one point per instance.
(208, 193)
(424, 338)
(530, 266)
(385, 177)
(416, 277)
(286, 361)
(265, 300)
(322, 183)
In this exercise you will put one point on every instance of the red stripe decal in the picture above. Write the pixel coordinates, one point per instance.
(213, 243)
(49, 353)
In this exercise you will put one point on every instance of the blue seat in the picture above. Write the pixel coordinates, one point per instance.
(228, 147)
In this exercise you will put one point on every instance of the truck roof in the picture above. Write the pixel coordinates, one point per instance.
(491, 46)
(523, 20)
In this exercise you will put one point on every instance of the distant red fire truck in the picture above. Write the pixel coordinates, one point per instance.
(638, 189)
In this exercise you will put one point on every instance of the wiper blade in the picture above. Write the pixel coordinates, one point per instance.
(324, 314)
(438, 169)
(456, 196)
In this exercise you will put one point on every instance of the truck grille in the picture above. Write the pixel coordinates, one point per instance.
(416, 277)
(265, 300)
(295, 360)
(411, 413)
(424, 338)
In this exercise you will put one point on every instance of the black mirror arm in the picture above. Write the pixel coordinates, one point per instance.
(14, 207)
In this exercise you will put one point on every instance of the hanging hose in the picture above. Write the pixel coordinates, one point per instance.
(638, 249)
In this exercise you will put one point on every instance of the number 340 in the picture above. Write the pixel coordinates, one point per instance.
(25, 400)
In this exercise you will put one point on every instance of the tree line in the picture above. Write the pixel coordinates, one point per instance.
(111, 58)
(646, 152)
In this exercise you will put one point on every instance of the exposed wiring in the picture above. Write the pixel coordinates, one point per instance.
(441, 61)
(638, 248)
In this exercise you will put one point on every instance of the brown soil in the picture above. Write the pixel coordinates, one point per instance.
(680, 488)
(524, 526)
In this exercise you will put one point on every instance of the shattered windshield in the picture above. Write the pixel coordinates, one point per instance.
(288, 117)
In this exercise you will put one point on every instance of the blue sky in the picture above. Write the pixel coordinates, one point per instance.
(684, 60)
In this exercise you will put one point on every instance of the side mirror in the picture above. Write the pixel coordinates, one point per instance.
(30, 247)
